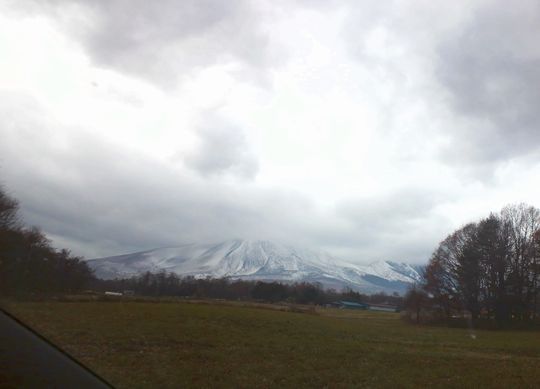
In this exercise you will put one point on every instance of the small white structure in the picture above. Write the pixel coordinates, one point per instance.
(113, 294)
(382, 308)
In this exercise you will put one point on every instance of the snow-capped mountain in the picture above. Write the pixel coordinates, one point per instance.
(260, 260)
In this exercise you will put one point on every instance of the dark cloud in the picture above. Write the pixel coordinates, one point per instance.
(491, 69)
(164, 40)
(222, 150)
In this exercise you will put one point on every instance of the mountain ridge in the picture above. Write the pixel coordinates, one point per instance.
(260, 260)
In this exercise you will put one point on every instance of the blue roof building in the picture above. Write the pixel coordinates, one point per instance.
(349, 305)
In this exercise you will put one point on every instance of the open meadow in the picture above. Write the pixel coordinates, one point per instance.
(183, 344)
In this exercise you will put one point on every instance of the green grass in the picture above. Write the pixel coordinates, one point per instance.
(171, 345)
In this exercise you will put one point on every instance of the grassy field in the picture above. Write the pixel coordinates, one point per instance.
(171, 345)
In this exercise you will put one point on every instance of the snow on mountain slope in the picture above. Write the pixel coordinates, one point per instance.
(394, 271)
(260, 260)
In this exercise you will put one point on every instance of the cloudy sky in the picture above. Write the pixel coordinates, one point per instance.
(370, 129)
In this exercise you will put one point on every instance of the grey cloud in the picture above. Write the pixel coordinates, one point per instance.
(108, 201)
(404, 222)
(223, 150)
(98, 199)
(491, 69)
(102, 199)
(164, 40)
(474, 65)
(407, 204)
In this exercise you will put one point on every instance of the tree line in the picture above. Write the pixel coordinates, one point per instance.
(28, 262)
(170, 284)
(489, 268)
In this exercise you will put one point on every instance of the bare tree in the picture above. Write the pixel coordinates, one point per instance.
(492, 266)
(8, 211)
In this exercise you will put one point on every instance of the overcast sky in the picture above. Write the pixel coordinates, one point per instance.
(370, 129)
